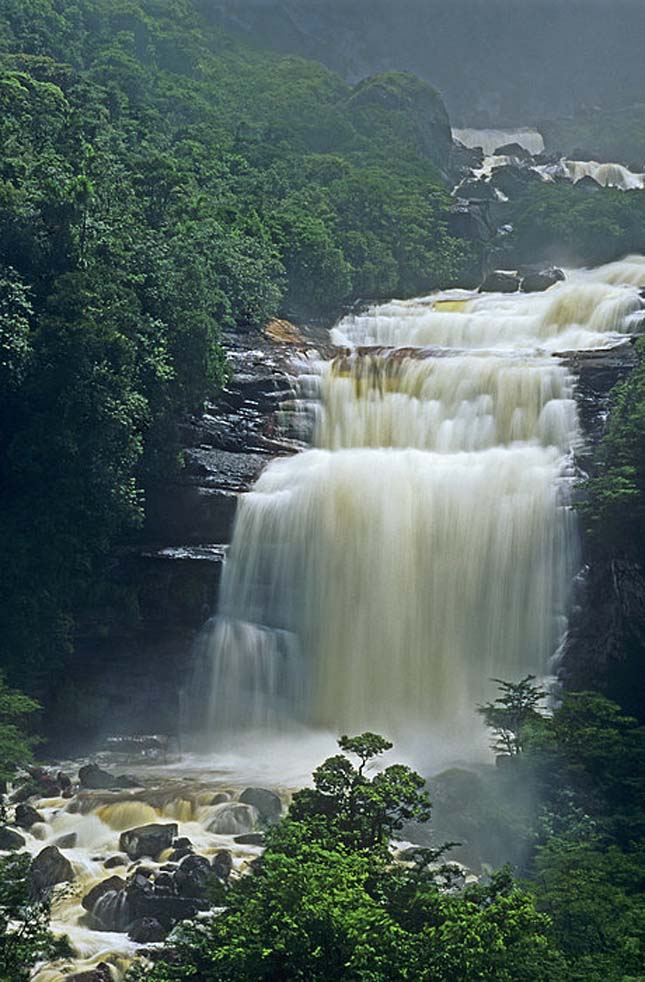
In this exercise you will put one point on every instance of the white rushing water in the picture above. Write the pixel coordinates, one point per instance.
(490, 140)
(608, 175)
(423, 544)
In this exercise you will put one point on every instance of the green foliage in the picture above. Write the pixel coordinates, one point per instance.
(161, 181)
(15, 744)
(360, 812)
(25, 938)
(566, 224)
(614, 509)
(509, 715)
(327, 903)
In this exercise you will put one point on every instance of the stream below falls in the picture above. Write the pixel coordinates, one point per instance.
(424, 544)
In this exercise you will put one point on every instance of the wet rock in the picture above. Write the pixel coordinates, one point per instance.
(500, 281)
(112, 884)
(94, 778)
(192, 875)
(48, 786)
(115, 861)
(48, 868)
(10, 839)
(219, 798)
(26, 816)
(538, 280)
(148, 840)
(233, 818)
(178, 854)
(513, 150)
(66, 841)
(164, 883)
(101, 973)
(250, 839)
(222, 864)
(514, 180)
(64, 782)
(147, 930)
(588, 184)
(182, 843)
(168, 910)
(267, 803)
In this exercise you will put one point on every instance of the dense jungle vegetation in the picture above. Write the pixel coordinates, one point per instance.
(158, 182)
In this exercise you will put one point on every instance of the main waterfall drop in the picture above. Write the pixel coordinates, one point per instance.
(424, 544)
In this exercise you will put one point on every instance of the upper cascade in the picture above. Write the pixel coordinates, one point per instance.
(424, 544)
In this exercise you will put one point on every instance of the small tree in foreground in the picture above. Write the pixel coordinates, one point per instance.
(508, 715)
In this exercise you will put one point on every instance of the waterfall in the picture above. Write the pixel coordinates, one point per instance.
(423, 544)
(490, 140)
(609, 175)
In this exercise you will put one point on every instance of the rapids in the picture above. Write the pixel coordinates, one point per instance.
(424, 543)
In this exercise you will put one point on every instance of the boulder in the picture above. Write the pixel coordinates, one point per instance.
(147, 930)
(538, 280)
(112, 884)
(148, 840)
(233, 818)
(513, 150)
(588, 184)
(66, 841)
(101, 973)
(26, 816)
(192, 875)
(48, 868)
(115, 861)
(94, 778)
(48, 786)
(514, 180)
(500, 281)
(222, 864)
(266, 803)
(10, 839)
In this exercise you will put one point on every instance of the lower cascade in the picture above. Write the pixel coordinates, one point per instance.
(424, 544)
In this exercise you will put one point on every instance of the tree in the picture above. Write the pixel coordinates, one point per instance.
(25, 938)
(510, 713)
(16, 746)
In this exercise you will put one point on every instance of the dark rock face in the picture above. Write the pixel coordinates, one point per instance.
(113, 884)
(10, 839)
(136, 656)
(49, 868)
(588, 184)
(471, 220)
(190, 879)
(514, 179)
(26, 816)
(250, 839)
(500, 281)
(147, 930)
(513, 150)
(266, 802)
(536, 281)
(606, 637)
(115, 861)
(222, 864)
(66, 841)
(93, 778)
(147, 840)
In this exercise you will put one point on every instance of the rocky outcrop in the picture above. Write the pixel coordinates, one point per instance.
(500, 281)
(266, 803)
(537, 280)
(49, 868)
(133, 653)
(26, 816)
(101, 973)
(94, 778)
(10, 840)
(148, 840)
(419, 110)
